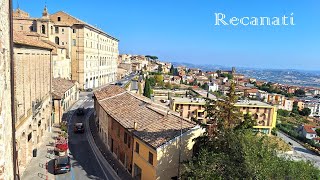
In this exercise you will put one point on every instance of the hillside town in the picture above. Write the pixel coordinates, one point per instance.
(73, 107)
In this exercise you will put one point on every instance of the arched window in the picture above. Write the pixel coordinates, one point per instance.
(56, 40)
(43, 29)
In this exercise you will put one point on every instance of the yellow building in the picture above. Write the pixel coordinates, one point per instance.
(189, 107)
(265, 114)
(149, 139)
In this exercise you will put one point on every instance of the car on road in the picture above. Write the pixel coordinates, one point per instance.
(62, 165)
(89, 90)
(290, 143)
(78, 128)
(119, 84)
(80, 111)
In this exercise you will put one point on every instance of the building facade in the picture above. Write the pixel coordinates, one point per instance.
(64, 94)
(6, 130)
(145, 137)
(32, 73)
(94, 53)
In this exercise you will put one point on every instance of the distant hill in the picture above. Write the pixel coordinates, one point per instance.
(283, 76)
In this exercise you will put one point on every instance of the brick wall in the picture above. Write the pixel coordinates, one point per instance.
(6, 151)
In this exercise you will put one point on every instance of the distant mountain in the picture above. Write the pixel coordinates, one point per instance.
(283, 76)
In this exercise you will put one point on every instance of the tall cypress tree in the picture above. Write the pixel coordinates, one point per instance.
(147, 89)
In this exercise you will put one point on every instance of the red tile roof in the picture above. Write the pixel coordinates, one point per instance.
(309, 129)
(156, 124)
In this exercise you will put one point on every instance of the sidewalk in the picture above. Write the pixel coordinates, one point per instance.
(114, 163)
(36, 169)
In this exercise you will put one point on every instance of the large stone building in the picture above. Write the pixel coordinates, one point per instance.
(32, 86)
(44, 29)
(148, 139)
(94, 53)
(6, 130)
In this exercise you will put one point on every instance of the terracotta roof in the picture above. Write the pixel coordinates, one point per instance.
(309, 129)
(21, 38)
(54, 46)
(107, 91)
(60, 86)
(155, 124)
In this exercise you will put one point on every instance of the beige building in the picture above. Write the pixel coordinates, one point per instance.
(59, 38)
(61, 63)
(94, 53)
(32, 94)
(64, 94)
(6, 130)
(145, 137)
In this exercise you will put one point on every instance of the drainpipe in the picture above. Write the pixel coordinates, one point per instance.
(14, 159)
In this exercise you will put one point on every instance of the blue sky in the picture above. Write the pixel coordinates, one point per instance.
(184, 30)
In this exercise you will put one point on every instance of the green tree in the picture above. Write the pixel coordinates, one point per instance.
(305, 112)
(295, 108)
(152, 81)
(160, 68)
(318, 132)
(205, 86)
(299, 93)
(159, 79)
(172, 70)
(175, 72)
(147, 89)
(284, 113)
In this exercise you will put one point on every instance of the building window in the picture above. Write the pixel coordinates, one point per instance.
(59, 18)
(62, 30)
(21, 27)
(56, 30)
(74, 42)
(137, 172)
(56, 40)
(125, 138)
(74, 30)
(137, 147)
(129, 142)
(150, 158)
(118, 131)
(43, 29)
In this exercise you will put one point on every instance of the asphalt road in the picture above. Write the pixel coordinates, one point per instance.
(301, 151)
(84, 160)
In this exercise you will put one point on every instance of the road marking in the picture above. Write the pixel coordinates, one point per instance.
(94, 153)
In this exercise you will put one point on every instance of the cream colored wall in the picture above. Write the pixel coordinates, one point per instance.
(23, 24)
(6, 141)
(100, 58)
(32, 83)
(168, 154)
(61, 65)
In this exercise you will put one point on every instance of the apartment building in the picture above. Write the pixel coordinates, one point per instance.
(265, 114)
(189, 107)
(145, 137)
(94, 53)
(314, 106)
(64, 94)
(6, 130)
(32, 81)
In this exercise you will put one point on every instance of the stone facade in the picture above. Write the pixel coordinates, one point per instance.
(94, 53)
(64, 94)
(6, 148)
(32, 95)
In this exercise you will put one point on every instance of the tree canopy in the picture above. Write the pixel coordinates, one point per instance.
(232, 150)
(147, 89)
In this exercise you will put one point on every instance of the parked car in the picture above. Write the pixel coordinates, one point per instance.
(89, 90)
(80, 111)
(78, 128)
(62, 165)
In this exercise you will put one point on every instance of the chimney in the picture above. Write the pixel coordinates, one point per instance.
(135, 125)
